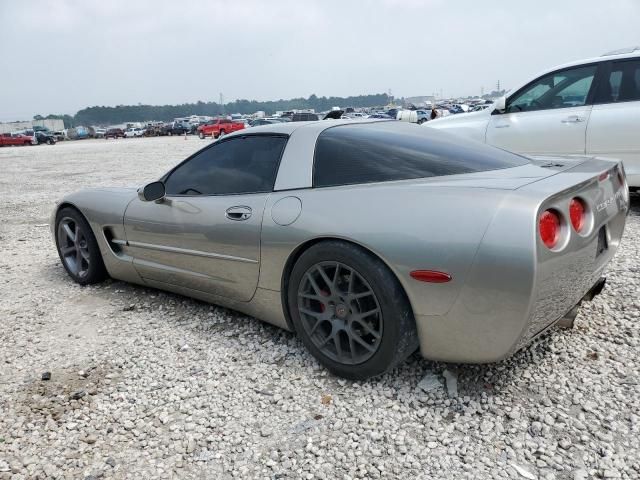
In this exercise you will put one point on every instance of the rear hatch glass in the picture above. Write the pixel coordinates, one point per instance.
(389, 151)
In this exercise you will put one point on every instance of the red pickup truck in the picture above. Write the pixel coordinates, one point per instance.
(218, 128)
(15, 139)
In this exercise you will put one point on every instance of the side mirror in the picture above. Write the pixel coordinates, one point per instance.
(152, 192)
(500, 104)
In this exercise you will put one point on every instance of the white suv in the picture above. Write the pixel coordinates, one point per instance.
(588, 107)
(134, 132)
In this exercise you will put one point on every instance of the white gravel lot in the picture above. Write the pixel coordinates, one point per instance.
(146, 384)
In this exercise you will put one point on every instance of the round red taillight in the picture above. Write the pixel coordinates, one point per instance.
(549, 226)
(576, 213)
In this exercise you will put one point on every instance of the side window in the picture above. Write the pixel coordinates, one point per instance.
(622, 84)
(238, 165)
(564, 89)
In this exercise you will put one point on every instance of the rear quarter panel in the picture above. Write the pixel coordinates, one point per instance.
(409, 226)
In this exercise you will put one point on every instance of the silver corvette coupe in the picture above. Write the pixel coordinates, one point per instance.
(368, 239)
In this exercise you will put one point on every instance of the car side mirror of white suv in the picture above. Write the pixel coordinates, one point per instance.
(500, 104)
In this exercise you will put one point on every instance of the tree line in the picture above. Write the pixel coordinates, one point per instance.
(101, 115)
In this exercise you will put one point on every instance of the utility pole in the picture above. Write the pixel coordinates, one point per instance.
(222, 102)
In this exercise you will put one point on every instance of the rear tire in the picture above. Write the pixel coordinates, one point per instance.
(350, 311)
(77, 248)
(222, 134)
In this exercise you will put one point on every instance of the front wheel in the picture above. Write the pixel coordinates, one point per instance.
(350, 311)
(222, 134)
(78, 248)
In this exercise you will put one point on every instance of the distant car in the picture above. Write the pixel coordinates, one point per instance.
(393, 112)
(60, 135)
(258, 122)
(99, 132)
(413, 116)
(114, 133)
(304, 117)
(588, 107)
(45, 137)
(134, 132)
(381, 116)
(9, 139)
(368, 239)
(219, 128)
(28, 133)
(176, 128)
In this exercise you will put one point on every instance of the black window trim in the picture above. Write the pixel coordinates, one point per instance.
(604, 77)
(166, 176)
(590, 94)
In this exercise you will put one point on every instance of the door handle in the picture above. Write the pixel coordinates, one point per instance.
(238, 213)
(573, 119)
(503, 125)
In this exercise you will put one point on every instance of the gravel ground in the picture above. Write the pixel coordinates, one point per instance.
(146, 384)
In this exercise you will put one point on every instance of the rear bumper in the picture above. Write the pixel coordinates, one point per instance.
(452, 342)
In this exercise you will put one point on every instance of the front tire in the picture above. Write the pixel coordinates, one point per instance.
(77, 248)
(350, 311)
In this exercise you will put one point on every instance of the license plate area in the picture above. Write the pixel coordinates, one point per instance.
(602, 241)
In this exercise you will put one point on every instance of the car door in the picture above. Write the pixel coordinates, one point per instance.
(548, 116)
(205, 233)
(613, 126)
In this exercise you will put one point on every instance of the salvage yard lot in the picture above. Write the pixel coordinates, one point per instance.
(146, 384)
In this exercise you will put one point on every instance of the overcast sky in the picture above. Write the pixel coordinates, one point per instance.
(60, 56)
